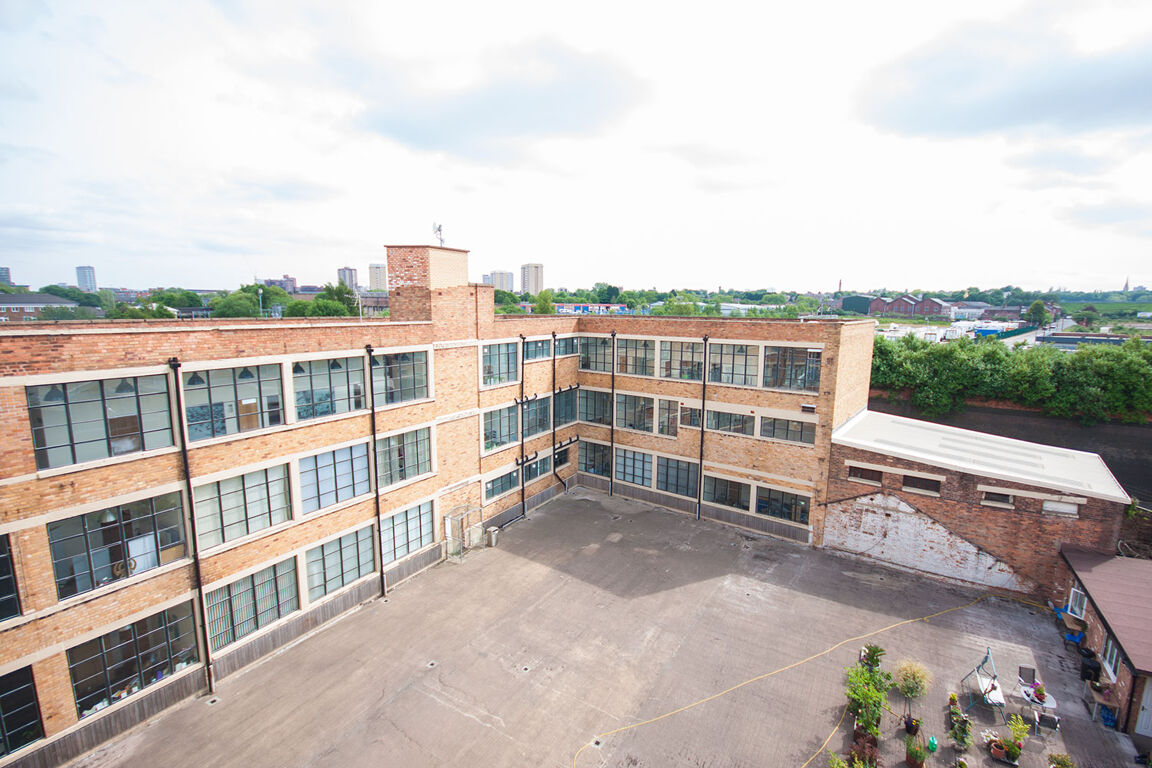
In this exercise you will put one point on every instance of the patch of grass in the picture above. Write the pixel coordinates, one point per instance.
(1108, 308)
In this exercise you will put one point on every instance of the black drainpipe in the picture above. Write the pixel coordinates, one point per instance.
(520, 420)
(375, 465)
(556, 392)
(209, 672)
(703, 423)
(612, 420)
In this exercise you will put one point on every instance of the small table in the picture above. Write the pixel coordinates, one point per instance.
(1033, 703)
(1098, 698)
(1072, 623)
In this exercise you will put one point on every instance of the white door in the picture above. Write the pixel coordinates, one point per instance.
(1144, 722)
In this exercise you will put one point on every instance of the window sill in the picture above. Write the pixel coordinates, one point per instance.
(997, 505)
(42, 474)
(862, 481)
(499, 385)
(921, 492)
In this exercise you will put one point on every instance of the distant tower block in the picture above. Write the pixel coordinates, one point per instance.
(531, 278)
(378, 277)
(86, 279)
(347, 275)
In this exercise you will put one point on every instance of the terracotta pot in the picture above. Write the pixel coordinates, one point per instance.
(913, 763)
(997, 750)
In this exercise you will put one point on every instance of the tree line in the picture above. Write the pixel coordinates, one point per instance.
(1096, 383)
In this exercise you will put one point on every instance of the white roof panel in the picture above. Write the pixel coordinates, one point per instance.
(979, 453)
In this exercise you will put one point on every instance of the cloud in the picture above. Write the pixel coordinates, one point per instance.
(537, 91)
(278, 190)
(989, 79)
(1126, 217)
(704, 156)
(1067, 161)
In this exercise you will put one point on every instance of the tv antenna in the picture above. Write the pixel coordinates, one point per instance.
(438, 232)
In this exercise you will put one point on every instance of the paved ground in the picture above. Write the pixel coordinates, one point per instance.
(594, 614)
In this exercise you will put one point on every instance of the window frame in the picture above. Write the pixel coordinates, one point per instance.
(320, 371)
(392, 452)
(597, 456)
(635, 357)
(269, 391)
(793, 428)
(403, 377)
(630, 465)
(635, 412)
(864, 475)
(9, 589)
(668, 417)
(347, 554)
(595, 354)
(500, 423)
(997, 499)
(344, 473)
(594, 413)
(684, 357)
(790, 373)
(1111, 656)
(566, 408)
(1077, 599)
(499, 364)
(788, 501)
(567, 345)
(13, 738)
(677, 476)
(419, 519)
(242, 593)
(506, 482)
(533, 347)
(924, 485)
(203, 529)
(728, 364)
(744, 492)
(730, 423)
(536, 416)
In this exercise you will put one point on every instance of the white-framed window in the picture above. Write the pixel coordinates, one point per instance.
(339, 562)
(1110, 656)
(689, 417)
(788, 429)
(238, 506)
(1077, 600)
(402, 456)
(537, 416)
(500, 365)
(326, 387)
(634, 412)
(569, 345)
(406, 532)
(501, 485)
(996, 498)
(1060, 507)
(668, 417)
(633, 467)
(737, 364)
(730, 493)
(726, 421)
(595, 354)
(255, 601)
(636, 357)
(682, 360)
(501, 427)
(537, 469)
(334, 476)
(535, 350)
(230, 400)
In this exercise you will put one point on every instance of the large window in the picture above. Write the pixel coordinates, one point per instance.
(1110, 656)
(339, 562)
(89, 420)
(595, 459)
(566, 403)
(535, 350)
(727, 492)
(334, 476)
(927, 484)
(241, 505)
(634, 412)
(668, 419)
(561, 457)
(255, 601)
(19, 711)
(406, 532)
(674, 476)
(502, 484)
(792, 368)
(595, 407)
(787, 429)
(636, 357)
(400, 377)
(1077, 600)
(400, 457)
(689, 417)
(633, 467)
(231, 400)
(325, 387)
(595, 354)
(499, 363)
(569, 345)
(121, 663)
(98, 548)
(537, 416)
(682, 360)
(9, 598)
(781, 504)
(733, 364)
(537, 469)
(501, 427)
(737, 423)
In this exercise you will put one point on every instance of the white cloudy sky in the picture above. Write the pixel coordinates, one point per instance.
(896, 143)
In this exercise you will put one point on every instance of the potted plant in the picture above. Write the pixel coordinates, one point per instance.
(997, 749)
(1012, 751)
(867, 692)
(954, 714)
(952, 700)
(1060, 760)
(961, 734)
(912, 679)
(915, 752)
(1038, 692)
(870, 656)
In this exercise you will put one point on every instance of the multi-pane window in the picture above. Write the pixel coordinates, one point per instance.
(561, 457)
(781, 504)
(121, 663)
(100, 547)
(595, 407)
(569, 345)
(689, 417)
(88, 420)
(339, 562)
(792, 368)
(992, 497)
(406, 532)
(325, 387)
(255, 601)
(633, 412)
(668, 417)
(636, 357)
(566, 404)
(9, 598)
(595, 354)
(538, 468)
(595, 458)
(865, 474)
(537, 416)
(535, 350)
(737, 423)
(1110, 656)
(334, 476)
(19, 711)
(231, 400)
(734, 364)
(727, 492)
(501, 427)
(682, 360)
(1077, 600)
(921, 484)
(499, 363)
(633, 467)
(674, 476)
(400, 457)
(502, 484)
(787, 429)
(241, 505)
(400, 377)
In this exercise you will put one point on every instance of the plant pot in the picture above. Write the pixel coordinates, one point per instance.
(912, 762)
(997, 750)
(911, 726)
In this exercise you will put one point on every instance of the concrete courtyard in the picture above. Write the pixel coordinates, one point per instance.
(597, 613)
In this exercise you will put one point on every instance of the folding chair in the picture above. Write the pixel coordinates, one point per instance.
(1044, 720)
(1026, 677)
(1073, 638)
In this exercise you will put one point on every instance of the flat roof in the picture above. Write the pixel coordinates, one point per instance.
(979, 453)
(1120, 588)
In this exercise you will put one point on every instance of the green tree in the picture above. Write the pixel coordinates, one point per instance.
(544, 305)
(74, 294)
(67, 313)
(176, 297)
(321, 307)
(237, 304)
(606, 294)
(506, 297)
(1037, 315)
(510, 309)
(296, 308)
(272, 294)
(342, 294)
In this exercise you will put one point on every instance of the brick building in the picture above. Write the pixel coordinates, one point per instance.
(179, 498)
(16, 307)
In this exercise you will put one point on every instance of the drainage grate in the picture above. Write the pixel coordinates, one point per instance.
(212, 701)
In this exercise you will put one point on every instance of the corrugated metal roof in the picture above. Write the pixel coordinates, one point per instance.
(1121, 590)
(977, 453)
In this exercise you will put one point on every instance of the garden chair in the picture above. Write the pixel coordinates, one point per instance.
(1026, 677)
(1044, 720)
(1074, 639)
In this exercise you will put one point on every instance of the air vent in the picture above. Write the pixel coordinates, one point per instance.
(808, 408)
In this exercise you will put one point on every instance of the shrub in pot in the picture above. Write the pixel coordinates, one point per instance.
(1060, 760)
(915, 753)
